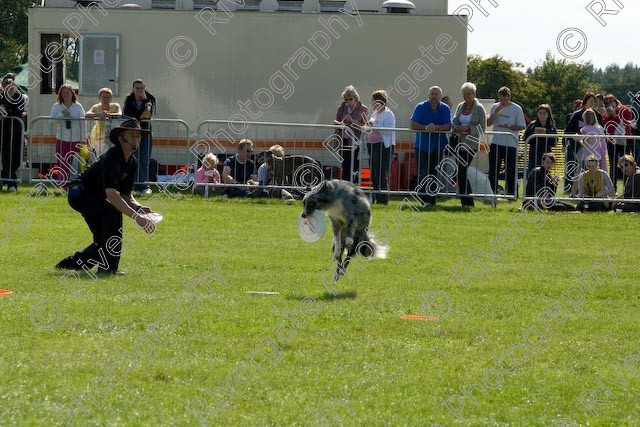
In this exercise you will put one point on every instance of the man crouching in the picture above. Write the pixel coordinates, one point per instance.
(102, 194)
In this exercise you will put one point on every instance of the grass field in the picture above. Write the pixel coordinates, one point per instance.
(538, 320)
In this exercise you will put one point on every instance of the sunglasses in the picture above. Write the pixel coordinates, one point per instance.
(349, 99)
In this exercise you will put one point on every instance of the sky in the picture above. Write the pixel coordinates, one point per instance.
(524, 30)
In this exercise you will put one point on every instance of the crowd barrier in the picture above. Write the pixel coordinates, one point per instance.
(324, 144)
(12, 131)
(567, 175)
(314, 152)
(57, 162)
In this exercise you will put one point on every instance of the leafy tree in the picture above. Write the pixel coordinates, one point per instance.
(492, 73)
(565, 82)
(618, 80)
(13, 33)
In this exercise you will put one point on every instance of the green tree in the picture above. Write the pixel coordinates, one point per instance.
(564, 81)
(491, 74)
(618, 80)
(13, 33)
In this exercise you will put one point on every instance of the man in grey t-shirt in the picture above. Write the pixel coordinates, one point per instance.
(505, 116)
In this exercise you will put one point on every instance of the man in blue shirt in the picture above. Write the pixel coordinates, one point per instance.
(433, 119)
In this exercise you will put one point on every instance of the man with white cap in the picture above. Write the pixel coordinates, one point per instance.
(102, 194)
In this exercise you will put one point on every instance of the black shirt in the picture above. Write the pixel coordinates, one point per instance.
(135, 110)
(110, 171)
(241, 172)
(538, 179)
(14, 105)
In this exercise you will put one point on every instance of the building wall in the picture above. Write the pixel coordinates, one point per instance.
(242, 57)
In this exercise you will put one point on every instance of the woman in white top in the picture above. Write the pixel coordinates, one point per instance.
(469, 121)
(380, 144)
(70, 135)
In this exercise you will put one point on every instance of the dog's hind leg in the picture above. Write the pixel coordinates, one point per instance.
(342, 268)
(351, 228)
(337, 246)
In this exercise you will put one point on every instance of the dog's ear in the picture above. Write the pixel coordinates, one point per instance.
(317, 188)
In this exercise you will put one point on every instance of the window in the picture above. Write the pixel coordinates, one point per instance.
(59, 56)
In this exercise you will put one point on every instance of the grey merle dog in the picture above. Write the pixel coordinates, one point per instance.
(348, 209)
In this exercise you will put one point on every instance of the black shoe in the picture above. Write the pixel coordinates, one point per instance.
(68, 263)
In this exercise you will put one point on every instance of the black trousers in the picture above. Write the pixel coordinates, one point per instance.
(508, 155)
(379, 165)
(10, 143)
(105, 223)
(464, 159)
(615, 151)
(347, 152)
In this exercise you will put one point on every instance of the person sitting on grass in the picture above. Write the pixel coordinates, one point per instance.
(240, 169)
(542, 185)
(594, 183)
(631, 184)
(207, 174)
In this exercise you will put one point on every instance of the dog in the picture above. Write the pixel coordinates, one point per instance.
(294, 170)
(350, 213)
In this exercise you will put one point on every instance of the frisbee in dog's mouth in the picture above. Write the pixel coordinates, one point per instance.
(312, 228)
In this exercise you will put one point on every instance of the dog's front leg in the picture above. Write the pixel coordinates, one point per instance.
(342, 269)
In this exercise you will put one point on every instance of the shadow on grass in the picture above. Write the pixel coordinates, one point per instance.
(328, 296)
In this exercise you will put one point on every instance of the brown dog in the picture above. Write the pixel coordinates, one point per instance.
(293, 170)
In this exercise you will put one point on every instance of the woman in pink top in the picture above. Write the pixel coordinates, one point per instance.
(70, 135)
(207, 174)
(593, 143)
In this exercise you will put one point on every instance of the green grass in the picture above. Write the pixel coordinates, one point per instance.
(139, 350)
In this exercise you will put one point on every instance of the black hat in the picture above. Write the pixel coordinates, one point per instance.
(130, 124)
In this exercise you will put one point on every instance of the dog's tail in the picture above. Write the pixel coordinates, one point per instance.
(369, 247)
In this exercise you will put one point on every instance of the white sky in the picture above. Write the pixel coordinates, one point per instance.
(524, 30)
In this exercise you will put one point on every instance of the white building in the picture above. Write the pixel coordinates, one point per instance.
(269, 60)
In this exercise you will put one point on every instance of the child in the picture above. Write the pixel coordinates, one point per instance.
(592, 144)
(207, 173)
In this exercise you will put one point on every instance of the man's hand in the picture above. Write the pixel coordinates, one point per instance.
(147, 224)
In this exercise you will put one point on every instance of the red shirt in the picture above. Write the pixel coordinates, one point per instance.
(611, 123)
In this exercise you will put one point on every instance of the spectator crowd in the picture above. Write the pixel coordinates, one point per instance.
(597, 144)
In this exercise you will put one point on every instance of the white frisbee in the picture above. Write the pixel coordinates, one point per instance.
(263, 293)
(312, 228)
(153, 217)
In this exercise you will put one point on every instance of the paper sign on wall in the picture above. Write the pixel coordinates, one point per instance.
(98, 57)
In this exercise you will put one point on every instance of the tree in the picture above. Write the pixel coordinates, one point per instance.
(491, 74)
(565, 82)
(618, 81)
(13, 33)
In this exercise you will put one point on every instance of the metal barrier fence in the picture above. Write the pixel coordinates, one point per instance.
(61, 148)
(11, 149)
(315, 151)
(587, 186)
